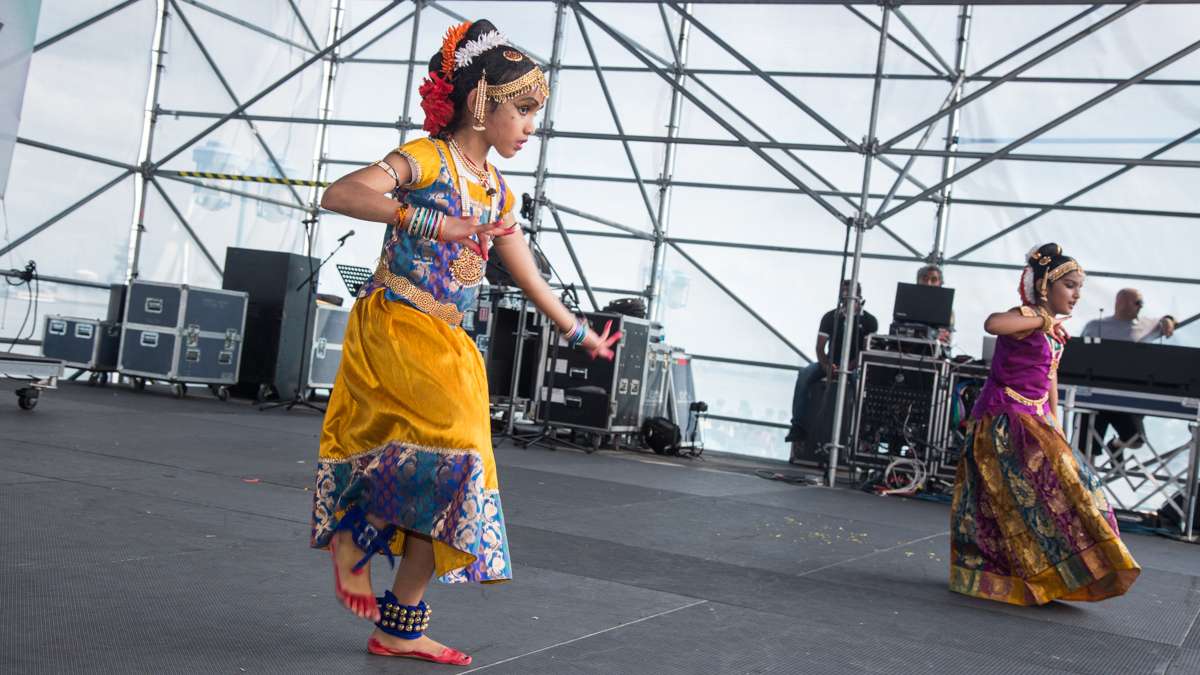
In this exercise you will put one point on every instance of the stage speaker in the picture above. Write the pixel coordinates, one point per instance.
(277, 341)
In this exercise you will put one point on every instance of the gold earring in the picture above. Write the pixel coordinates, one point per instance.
(480, 102)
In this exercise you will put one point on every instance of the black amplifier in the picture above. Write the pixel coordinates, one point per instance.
(495, 325)
(594, 394)
(899, 408)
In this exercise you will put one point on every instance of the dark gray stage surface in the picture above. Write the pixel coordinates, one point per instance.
(133, 543)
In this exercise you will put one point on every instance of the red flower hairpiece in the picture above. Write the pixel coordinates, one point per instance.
(435, 101)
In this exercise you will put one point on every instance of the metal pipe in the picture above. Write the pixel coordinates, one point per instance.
(277, 83)
(747, 420)
(741, 303)
(42, 278)
(33, 232)
(597, 219)
(406, 111)
(81, 25)
(539, 190)
(149, 119)
(817, 74)
(1074, 112)
(941, 75)
(851, 300)
(889, 257)
(262, 142)
(1193, 484)
(547, 130)
(1080, 192)
(955, 91)
(658, 259)
(1037, 39)
(384, 33)
(188, 227)
(616, 118)
(174, 175)
(755, 147)
(75, 153)
(605, 289)
(337, 13)
(843, 194)
(750, 65)
(250, 26)
(303, 24)
(924, 42)
(459, 17)
(718, 142)
(575, 260)
(890, 143)
(942, 221)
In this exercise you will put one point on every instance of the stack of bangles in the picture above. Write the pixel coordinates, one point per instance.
(577, 334)
(423, 222)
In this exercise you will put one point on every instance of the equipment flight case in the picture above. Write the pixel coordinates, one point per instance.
(182, 334)
(87, 344)
(579, 392)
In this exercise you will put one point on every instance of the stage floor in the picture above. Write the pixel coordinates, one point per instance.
(145, 534)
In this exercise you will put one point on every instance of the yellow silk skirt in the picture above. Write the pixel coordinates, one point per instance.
(407, 435)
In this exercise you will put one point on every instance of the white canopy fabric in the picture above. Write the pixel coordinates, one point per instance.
(87, 93)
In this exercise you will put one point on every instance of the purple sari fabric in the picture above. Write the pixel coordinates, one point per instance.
(1030, 523)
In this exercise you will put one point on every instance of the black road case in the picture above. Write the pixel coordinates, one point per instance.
(89, 344)
(579, 392)
(182, 334)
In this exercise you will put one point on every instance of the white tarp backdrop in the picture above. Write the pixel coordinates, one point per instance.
(86, 94)
(18, 26)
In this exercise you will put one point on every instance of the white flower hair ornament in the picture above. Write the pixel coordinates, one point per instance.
(464, 55)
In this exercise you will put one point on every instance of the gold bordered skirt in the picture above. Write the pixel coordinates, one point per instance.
(1030, 523)
(407, 434)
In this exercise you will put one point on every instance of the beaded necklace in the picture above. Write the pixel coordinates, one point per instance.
(483, 175)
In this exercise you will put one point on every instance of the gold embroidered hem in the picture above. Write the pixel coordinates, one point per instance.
(420, 298)
(1029, 524)
(1101, 572)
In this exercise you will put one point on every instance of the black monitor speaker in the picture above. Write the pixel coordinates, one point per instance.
(276, 338)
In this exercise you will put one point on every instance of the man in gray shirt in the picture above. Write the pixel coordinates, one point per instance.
(1124, 324)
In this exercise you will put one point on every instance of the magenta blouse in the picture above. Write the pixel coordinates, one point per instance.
(1019, 381)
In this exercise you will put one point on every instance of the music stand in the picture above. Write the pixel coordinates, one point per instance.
(354, 277)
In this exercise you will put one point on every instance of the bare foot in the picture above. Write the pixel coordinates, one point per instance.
(422, 644)
(355, 587)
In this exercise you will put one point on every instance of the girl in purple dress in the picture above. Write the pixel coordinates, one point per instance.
(1030, 523)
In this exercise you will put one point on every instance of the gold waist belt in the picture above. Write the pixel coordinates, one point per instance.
(419, 297)
(1037, 403)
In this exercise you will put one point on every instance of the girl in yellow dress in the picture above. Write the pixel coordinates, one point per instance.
(406, 466)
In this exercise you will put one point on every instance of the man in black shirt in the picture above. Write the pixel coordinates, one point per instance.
(829, 337)
(829, 355)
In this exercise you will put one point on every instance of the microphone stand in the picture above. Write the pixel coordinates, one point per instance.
(298, 395)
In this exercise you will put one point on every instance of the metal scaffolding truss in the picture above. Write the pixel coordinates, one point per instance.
(860, 209)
